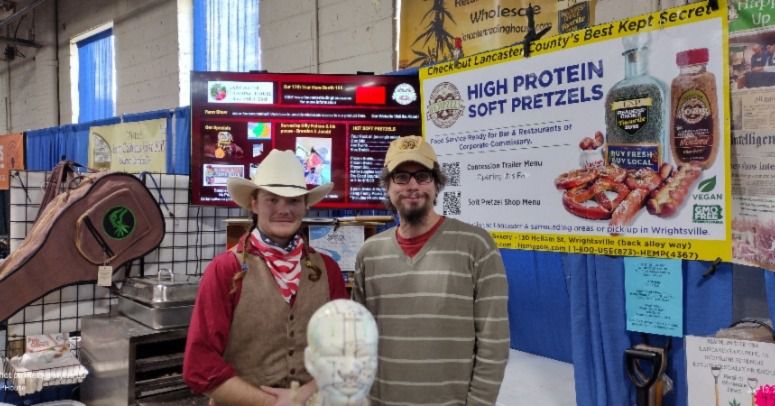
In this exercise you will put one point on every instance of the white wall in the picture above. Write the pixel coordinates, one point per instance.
(146, 57)
(325, 36)
(28, 93)
(146, 50)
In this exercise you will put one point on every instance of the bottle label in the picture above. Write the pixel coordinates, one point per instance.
(635, 156)
(633, 114)
(693, 132)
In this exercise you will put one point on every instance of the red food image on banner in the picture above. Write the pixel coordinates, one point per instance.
(218, 91)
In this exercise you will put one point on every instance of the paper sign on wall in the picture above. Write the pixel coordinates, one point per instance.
(721, 371)
(654, 296)
(342, 243)
(129, 147)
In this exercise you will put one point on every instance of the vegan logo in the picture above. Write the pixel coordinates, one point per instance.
(707, 214)
(445, 105)
(706, 187)
(119, 222)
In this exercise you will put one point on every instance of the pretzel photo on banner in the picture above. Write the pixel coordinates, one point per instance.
(617, 194)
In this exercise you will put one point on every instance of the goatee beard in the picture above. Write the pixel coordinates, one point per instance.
(414, 217)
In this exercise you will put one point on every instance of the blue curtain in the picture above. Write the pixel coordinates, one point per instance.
(179, 153)
(226, 35)
(147, 115)
(769, 285)
(44, 148)
(598, 321)
(539, 303)
(40, 149)
(597, 329)
(95, 77)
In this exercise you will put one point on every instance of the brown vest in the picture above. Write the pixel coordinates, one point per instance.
(268, 336)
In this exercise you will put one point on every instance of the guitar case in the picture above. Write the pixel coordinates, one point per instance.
(109, 218)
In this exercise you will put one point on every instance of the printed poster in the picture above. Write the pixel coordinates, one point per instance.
(340, 243)
(752, 80)
(747, 15)
(574, 15)
(129, 147)
(11, 157)
(438, 31)
(339, 127)
(727, 372)
(598, 144)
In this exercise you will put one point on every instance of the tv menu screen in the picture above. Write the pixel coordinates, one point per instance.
(339, 126)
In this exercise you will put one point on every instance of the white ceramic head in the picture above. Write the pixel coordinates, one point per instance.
(341, 352)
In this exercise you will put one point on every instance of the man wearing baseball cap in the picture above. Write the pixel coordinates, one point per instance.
(246, 341)
(437, 288)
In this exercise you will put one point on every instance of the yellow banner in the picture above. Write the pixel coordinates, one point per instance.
(614, 245)
(641, 24)
(11, 157)
(129, 147)
(436, 31)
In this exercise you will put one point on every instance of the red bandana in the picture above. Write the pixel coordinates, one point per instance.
(285, 264)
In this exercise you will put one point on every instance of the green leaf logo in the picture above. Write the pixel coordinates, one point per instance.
(119, 222)
(707, 185)
(734, 402)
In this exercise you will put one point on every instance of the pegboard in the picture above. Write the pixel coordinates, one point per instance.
(194, 234)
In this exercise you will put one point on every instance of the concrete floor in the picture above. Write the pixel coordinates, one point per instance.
(534, 380)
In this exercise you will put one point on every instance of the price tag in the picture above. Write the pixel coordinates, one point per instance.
(104, 275)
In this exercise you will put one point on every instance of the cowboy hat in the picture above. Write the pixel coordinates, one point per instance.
(280, 173)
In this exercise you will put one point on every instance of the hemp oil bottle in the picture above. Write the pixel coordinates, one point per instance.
(635, 112)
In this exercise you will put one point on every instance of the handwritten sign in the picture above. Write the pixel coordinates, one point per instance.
(654, 296)
(129, 147)
(723, 371)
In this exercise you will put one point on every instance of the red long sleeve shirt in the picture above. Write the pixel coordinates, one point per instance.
(204, 368)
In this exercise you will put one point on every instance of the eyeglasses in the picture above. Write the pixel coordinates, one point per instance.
(402, 178)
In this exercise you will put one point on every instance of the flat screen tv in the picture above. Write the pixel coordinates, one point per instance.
(339, 126)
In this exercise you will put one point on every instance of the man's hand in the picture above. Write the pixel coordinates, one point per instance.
(296, 396)
(237, 392)
(284, 397)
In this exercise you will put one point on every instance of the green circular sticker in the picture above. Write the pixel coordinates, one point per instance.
(119, 223)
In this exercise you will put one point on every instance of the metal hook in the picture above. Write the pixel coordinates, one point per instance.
(712, 269)
(531, 30)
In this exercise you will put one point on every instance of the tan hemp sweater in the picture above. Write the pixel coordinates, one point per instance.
(442, 317)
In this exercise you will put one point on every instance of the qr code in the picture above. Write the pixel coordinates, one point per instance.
(451, 203)
(452, 170)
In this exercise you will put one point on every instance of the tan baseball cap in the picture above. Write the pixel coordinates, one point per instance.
(411, 148)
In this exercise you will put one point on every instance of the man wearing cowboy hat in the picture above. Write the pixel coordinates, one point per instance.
(246, 341)
(437, 288)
